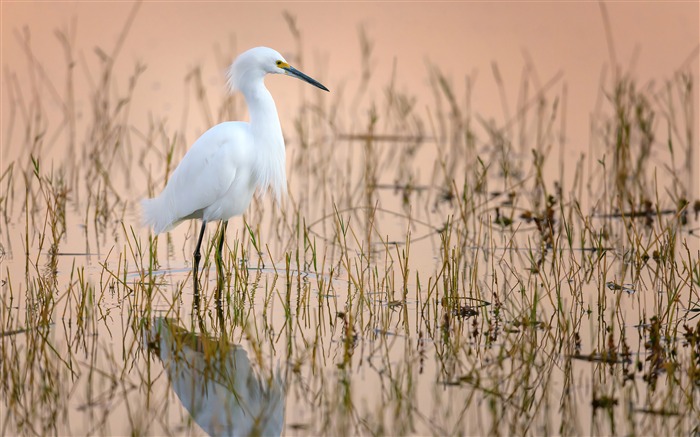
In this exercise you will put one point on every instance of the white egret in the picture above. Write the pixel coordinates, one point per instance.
(218, 176)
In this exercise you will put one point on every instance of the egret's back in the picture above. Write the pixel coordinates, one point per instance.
(211, 182)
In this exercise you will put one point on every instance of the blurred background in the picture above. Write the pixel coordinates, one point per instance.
(405, 40)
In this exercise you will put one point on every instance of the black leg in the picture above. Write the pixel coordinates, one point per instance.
(223, 236)
(220, 260)
(197, 258)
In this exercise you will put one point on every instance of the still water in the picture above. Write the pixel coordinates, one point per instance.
(489, 228)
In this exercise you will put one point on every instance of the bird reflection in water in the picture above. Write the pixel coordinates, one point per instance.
(216, 383)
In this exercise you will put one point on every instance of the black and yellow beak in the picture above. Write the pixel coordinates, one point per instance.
(299, 75)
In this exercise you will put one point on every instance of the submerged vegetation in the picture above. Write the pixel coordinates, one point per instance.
(432, 272)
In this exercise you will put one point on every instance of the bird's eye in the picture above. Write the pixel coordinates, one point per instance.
(278, 63)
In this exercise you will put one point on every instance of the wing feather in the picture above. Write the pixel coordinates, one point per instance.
(203, 176)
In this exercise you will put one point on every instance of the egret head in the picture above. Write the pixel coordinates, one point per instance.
(252, 65)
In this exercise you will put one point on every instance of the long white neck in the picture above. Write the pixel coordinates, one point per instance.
(267, 134)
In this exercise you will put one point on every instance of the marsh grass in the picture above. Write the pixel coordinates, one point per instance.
(500, 288)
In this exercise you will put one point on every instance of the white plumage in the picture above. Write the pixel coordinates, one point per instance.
(214, 181)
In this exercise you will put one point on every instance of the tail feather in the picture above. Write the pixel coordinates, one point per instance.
(156, 215)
